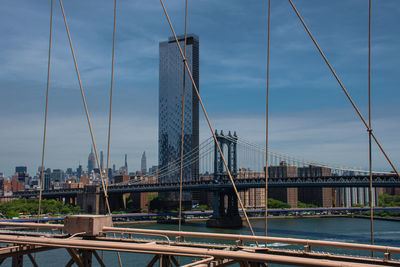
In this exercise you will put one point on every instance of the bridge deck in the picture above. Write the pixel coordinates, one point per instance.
(242, 184)
(242, 249)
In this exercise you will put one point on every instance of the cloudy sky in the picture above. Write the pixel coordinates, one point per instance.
(310, 117)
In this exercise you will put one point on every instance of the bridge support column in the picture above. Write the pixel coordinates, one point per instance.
(17, 261)
(225, 217)
(87, 257)
(89, 199)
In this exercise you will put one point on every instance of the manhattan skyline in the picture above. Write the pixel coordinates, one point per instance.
(310, 117)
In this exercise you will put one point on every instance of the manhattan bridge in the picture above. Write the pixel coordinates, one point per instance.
(227, 166)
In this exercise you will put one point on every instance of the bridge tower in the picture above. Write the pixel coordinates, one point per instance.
(226, 213)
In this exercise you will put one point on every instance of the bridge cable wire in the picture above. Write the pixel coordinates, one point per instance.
(111, 95)
(208, 121)
(87, 114)
(344, 89)
(45, 113)
(183, 125)
(304, 162)
(109, 119)
(266, 125)
(187, 156)
(186, 164)
(369, 126)
(190, 153)
(85, 106)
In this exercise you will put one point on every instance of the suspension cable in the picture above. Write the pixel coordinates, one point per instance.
(370, 127)
(45, 112)
(208, 121)
(111, 95)
(109, 119)
(85, 106)
(266, 125)
(318, 164)
(344, 89)
(183, 123)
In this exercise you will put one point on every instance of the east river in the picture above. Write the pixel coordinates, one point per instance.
(329, 229)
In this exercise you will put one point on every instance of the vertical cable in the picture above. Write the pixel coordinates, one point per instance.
(111, 94)
(85, 105)
(369, 127)
(109, 118)
(344, 89)
(87, 117)
(208, 121)
(45, 113)
(266, 126)
(183, 123)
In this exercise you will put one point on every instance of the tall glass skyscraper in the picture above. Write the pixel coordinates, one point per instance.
(170, 110)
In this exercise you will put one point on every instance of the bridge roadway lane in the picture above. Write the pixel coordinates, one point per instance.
(327, 181)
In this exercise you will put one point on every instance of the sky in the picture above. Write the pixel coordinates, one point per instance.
(309, 115)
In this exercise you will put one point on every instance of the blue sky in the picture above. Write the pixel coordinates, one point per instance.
(310, 117)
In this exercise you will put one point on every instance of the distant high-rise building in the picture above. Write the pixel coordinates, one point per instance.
(79, 171)
(126, 164)
(22, 173)
(69, 171)
(289, 194)
(91, 161)
(143, 165)
(170, 108)
(57, 176)
(21, 169)
(153, 170)
(101, 161)
(46, 181)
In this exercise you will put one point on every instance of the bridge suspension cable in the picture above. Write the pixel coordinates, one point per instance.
(190, 154)
(343, 88)
(297, 160)
(45, 112)
(208, 121)
(183, 125)
(370, 126)
(109, 118)
(266, 123)
(111, 94)
(85, 105)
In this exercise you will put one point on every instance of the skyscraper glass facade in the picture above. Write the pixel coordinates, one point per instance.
(170, 110)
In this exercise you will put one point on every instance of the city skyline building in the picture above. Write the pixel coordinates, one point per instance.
(91, 161)
(171, 69)
(101, 161)
(126, 164)
(143, 163)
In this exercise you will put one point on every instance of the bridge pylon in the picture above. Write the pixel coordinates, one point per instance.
(225, 208)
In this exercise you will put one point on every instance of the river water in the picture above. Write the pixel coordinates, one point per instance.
(329, 229)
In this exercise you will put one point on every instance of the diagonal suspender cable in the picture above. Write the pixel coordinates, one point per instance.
(369, 127)
(86, 109)
(266, 125)
(111, 95)
(109, 118)
(45, 113)
(208, 121)
(344, 89)
(183, 124)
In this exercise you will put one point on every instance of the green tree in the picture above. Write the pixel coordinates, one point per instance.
(277, 204)
(30, 207)
(302, 205)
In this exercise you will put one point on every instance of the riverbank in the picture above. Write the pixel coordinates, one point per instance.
(250, 218)
(195, 220)
(377, 218)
